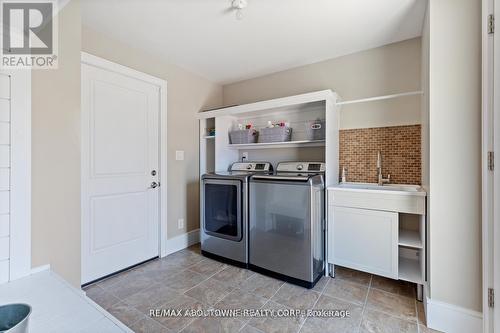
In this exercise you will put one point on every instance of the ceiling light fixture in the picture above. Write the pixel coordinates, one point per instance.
(239, 5)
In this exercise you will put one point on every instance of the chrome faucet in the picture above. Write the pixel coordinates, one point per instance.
(381, 179)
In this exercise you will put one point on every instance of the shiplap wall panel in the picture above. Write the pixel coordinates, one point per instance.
(4, 225)
(4, 156)
(4, 248)
(4, 110)
(4, 179)
(4, 133)
(4, 271)
(4, 86)
(4, 202)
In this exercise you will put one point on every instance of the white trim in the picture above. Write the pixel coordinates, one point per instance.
(39, 269)
(89, 59)
(183, 241)
(449, 318)
(489, 235)
(380, 98)
(283, 102)
(20, 173)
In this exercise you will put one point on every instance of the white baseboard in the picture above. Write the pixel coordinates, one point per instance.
(182, 241)
(450, 318)
(39, 269)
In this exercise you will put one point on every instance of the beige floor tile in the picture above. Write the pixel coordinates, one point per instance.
(249, 329)
(210, 291)
(125, 313)
(207, 267)
(233, 275)
(352, 275)
(378, 322)
(160, 271)
(184, 281)
(131, 283)
(147, 299)
(180, 303)
(239, 299)
(277, 324)
(424, 329)
(421, 313)
(296, 297)
(348, 324)
(261, 285)
(396, 305)
(182, 259)
(148, 325)
(216, 325)
(345, 290)
(320, 285)
(101, 297)
(402, 288)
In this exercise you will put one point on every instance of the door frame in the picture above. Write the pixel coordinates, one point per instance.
(20, 173)
(490, 179)
(92, 60)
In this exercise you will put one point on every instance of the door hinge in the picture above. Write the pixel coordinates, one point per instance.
(491, 297)
(491, 161)
(491, 23)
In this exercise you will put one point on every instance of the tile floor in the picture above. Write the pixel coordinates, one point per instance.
(187, 280)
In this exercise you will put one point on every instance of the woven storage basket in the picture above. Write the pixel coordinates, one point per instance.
(275, 134)
(243, 136)
(315, 129)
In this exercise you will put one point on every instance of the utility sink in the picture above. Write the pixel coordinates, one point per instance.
(392, 197)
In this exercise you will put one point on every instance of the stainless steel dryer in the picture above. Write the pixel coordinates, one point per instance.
(287, 222)
(224, 212)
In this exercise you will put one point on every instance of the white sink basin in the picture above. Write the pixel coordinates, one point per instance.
(410, 189)
(392, 197)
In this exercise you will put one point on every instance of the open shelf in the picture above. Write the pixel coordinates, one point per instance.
(410, 238)
(209, 137)
(409, 270)
(288, 144)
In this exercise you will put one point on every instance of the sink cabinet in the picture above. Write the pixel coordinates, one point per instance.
(378, 231)
(365, 240)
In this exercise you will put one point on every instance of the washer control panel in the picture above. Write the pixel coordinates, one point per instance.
(251, 166)
(301, 167)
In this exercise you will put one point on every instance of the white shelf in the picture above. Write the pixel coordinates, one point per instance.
(410, 238)
(208, 137)
(380, 98)
(288, 144)
(409, 270)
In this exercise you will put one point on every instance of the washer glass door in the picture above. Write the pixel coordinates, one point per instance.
(222, 215)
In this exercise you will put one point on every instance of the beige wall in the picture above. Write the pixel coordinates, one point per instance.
(455, 152)
(187, 94)
(56, 154)
(385, 70)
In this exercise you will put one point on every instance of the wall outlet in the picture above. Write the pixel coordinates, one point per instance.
(179, 155)
(180, 223)
(244, 156)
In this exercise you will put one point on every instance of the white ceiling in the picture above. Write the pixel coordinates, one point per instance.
(274, 35)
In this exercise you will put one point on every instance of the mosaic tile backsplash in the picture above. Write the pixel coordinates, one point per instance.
(400, 147)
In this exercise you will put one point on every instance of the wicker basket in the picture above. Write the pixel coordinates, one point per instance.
(243, 136)
(275, 134)
(315, 129)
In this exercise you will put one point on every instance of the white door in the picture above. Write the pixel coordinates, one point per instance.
(120, 165)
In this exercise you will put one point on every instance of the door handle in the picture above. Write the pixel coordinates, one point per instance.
(154, 185)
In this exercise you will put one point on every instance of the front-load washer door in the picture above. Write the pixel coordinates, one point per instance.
(222, 209)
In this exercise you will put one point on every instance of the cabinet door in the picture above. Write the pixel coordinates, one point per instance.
(365, 240)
